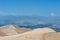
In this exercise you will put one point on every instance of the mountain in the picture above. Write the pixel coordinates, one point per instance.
(56, 27)
(31, 21)
(28, 20)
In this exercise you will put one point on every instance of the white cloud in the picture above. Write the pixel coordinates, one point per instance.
(53, 14)
(7, 13)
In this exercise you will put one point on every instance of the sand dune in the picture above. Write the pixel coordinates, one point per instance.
(2, 33)
(36, 34)
(12, 30)
(52, 36)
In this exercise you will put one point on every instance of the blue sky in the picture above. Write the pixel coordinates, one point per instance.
(30, 7)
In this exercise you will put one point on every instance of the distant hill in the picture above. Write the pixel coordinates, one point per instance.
(28, 20)
(31, 21)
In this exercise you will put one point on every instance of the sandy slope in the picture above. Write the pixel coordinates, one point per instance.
(52, 36)
(12, 30)
(8, 30)
(2, 33)
(36, 34)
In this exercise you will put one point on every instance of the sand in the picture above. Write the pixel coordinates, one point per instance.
(12, 30)
(2, 34)
(52, 36)
(36, 34)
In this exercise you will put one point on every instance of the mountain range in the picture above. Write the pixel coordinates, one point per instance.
(31, 21)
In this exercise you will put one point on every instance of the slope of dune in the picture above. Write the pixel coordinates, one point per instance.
(36, 34)
(12, 30)
(2, 33)
(8, 30)
(52, 36)
(22, 30)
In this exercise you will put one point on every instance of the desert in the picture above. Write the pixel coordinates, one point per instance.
(35, 34)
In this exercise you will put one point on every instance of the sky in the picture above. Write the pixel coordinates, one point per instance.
(30, 7)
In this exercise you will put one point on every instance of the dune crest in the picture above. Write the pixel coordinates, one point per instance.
(12, 30)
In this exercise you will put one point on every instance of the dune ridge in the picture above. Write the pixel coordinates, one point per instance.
(12, 30)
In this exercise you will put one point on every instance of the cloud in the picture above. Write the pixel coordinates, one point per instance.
(53, 14)
(2, 13)
(7, 13)
(14, 14)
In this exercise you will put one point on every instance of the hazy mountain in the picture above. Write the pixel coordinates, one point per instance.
(31, 21)
(28, 20)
